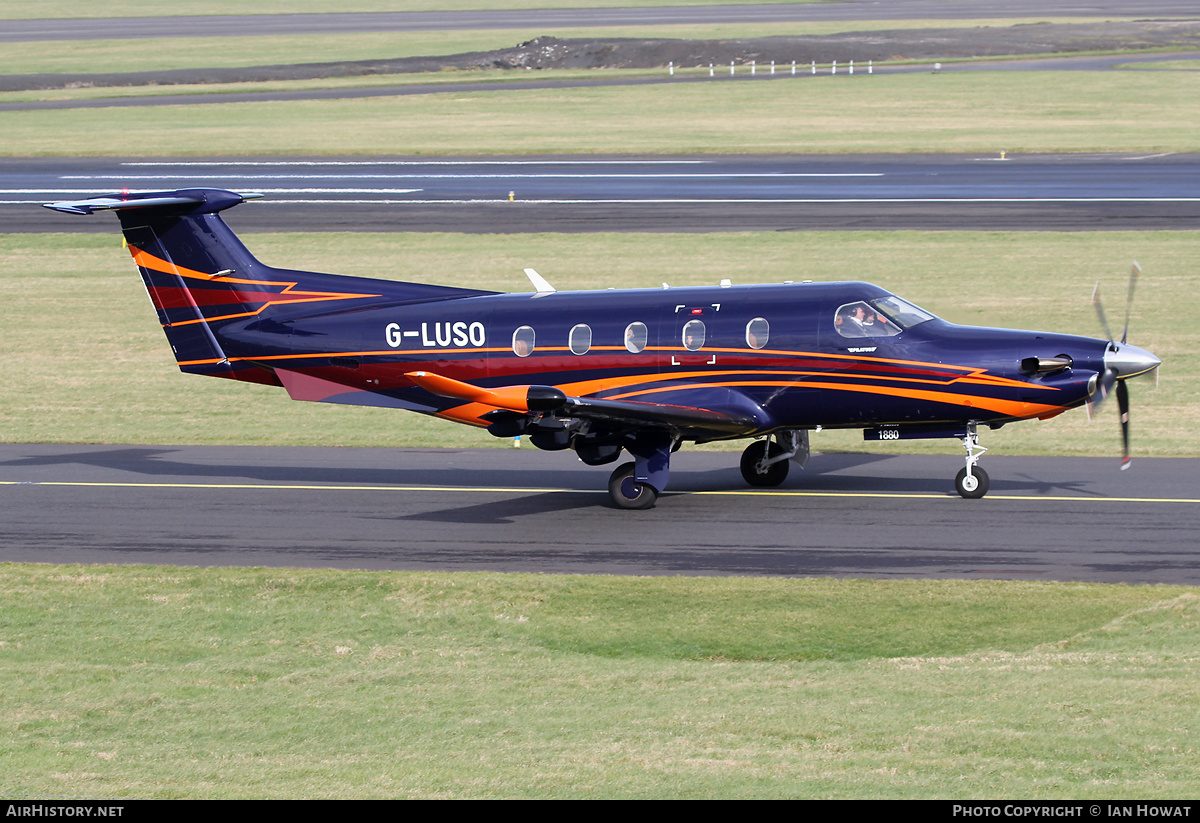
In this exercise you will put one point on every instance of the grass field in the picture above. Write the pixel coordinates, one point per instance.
(88, 363)
(173, 683)
(963, 112)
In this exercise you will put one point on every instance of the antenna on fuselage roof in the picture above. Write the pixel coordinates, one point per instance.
(539, 282)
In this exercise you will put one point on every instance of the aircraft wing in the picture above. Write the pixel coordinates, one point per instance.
(552, 400)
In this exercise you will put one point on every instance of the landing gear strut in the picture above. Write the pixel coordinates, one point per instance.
(972, 482)
(637, 485)
(765, 462)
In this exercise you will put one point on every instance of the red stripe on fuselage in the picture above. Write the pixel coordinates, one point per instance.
(203, 293)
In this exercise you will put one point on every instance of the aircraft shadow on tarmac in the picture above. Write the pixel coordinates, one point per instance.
(826, 473)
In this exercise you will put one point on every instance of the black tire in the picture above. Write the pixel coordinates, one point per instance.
(626, 492)
(775, 473)
(980, 486)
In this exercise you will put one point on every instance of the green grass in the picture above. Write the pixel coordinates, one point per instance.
(964, 112)
(1164, 65)
(86, 361)
(172, 683)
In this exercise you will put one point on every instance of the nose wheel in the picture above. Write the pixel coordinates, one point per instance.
(974, 485)
(972, 482)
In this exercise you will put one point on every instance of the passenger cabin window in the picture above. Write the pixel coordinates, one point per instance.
(523, 340)
(635, 337)
(693, 335)
(758, 332)
(580, 339)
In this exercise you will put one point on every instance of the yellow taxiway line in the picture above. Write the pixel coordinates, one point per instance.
(534, 490)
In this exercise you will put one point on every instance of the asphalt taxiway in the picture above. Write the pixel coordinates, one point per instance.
(581, 194)
(526, 510)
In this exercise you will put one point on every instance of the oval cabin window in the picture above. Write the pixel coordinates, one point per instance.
(523, 341)
(758, 332)
(580, 339)
(635, 337)
(693, 335)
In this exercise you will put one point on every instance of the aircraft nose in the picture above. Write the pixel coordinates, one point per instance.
(1128, 361)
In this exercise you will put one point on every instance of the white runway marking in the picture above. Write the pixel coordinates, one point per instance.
(511, 176)
(287, 195)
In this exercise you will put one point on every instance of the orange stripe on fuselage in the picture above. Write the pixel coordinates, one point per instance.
(1011, 408)
(286, 296)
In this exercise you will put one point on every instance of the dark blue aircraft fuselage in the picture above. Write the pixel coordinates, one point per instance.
(599, 372)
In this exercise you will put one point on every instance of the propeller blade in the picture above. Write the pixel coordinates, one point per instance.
(1100, 312)
(1121, 362)
(1133, 276)
(1123, 406)
(1104, 386)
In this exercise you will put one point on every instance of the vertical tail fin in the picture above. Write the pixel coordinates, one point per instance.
(195, 269)
(209, 290)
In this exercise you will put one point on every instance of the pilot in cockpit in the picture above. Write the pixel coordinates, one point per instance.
(851, 320)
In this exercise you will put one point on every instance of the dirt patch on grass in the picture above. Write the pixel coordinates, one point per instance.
(584, 53)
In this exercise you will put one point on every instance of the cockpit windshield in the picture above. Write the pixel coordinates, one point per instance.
(878, 317)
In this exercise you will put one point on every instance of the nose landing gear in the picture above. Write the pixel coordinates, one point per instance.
(972, 482)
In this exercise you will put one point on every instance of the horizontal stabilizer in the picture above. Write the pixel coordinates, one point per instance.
(195, 201)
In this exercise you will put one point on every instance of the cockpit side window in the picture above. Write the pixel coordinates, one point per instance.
(857, 319)
(879, 317)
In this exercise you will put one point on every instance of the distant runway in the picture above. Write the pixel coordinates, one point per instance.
(525, 510)
(512, 194)
(547, 18)
(335, 23)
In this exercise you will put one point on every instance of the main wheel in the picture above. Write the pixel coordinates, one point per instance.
(626, 492)
(973, 487)
(771, 475)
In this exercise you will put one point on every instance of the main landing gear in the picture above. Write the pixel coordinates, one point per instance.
(637, 485)
(627, 492)
(972, 482)
(765, 462)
